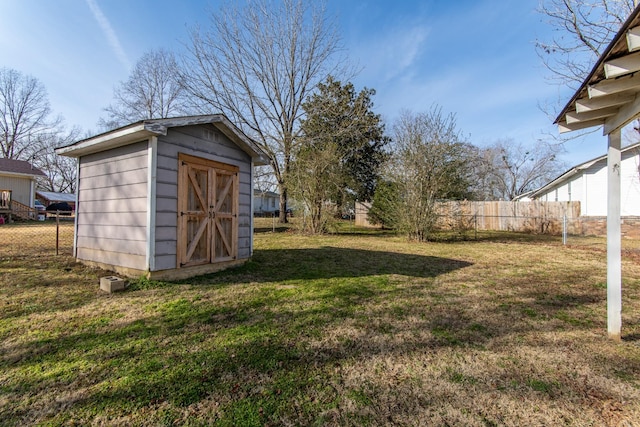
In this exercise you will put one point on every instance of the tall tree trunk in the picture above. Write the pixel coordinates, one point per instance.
(283, 205)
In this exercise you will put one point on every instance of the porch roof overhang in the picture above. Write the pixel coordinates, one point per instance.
(146, 128)
(610, 95)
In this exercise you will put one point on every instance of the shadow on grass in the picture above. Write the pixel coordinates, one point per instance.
(276, 229)
(268, 356)
(269, 265)
(271, 355)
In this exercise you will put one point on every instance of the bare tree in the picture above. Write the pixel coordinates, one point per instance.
(582, 30)
(313, 181)
(24, 113)
(152, 91)
(257, 64)
(430, 162)
(508, 169)
(61, 171)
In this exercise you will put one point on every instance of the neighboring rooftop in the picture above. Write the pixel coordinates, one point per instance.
(19, 167)
(58, 197)
(574, 170)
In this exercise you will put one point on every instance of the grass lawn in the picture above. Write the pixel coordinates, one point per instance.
(356, 328)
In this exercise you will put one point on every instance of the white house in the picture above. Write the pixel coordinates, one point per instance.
(265, 202)
(587, 183)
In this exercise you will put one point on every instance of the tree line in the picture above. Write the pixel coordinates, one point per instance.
(278, 70)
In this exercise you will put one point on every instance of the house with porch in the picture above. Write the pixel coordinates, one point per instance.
(18, 188)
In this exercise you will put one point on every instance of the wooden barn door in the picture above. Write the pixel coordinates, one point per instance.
(207, 211)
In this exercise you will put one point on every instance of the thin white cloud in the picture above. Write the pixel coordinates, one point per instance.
(109, 33)
(392, 53)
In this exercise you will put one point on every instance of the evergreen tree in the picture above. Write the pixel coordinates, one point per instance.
(341, 150)
(386, 202)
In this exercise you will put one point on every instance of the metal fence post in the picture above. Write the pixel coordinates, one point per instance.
(564, 230)
(57, 232)
(475, 221)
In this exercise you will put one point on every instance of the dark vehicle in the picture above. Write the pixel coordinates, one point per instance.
(64, 208)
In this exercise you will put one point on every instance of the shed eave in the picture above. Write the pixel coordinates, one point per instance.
(258, 157)
(562, 178)
(107, 141)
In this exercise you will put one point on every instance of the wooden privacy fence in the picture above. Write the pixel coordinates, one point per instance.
(530, 217)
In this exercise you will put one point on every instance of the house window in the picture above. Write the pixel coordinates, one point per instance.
(273, 203)
(569, 189)
(556, 194)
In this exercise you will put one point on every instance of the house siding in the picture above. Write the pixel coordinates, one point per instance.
(589, 187)
(630, 185)
(112, 206)
(265, 203)
(20, 188)
(204, 141)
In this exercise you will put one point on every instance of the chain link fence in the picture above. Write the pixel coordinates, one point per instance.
(55, 234)
(51, 236)
(579, 231)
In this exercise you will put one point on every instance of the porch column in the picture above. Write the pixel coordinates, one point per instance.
(614, 238)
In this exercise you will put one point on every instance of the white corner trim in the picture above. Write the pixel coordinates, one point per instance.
(152, 167)
(251, 207)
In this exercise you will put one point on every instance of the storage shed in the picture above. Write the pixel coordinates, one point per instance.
(165, 198)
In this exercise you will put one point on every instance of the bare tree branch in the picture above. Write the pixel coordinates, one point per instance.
(509, 169)
(583, 30)
(257, 64)
(152, 91)
(24, 112)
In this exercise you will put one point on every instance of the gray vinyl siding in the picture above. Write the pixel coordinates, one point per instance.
(207, 142)
(112, 206)
(20, 188)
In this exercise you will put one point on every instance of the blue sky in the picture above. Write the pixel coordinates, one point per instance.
(475, 59)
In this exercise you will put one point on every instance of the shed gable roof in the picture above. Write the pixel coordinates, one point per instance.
(19, 167)
(154, 127)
